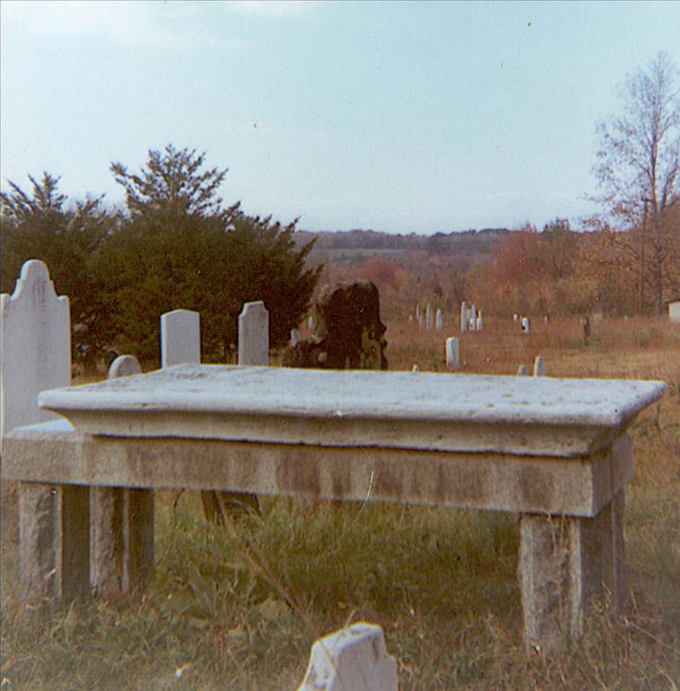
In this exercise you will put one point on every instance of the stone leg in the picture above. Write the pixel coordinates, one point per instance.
(54, 541)
(122, 540)
(567, 563)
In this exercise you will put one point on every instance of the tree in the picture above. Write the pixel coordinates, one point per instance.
(179, 247)
(40, 225)
(637, 167)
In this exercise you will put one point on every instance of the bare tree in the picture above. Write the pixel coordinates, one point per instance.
(637, 166)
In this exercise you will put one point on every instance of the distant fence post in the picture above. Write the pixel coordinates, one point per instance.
(35, 347)
(180, 338)
(253, 335)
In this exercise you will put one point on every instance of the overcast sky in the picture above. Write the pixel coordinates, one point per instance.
(401, 117)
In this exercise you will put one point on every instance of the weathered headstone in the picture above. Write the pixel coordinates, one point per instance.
(253, 335)
(349, 333)
(463, 317)
(354, 659)
(180, 338)
(421, 323)
(473, 318)
(480, 321)
(539, 367)
(429, 317)
(452, 354)
(122, 522)
(35, 347)
(438, 321)
(522, 371)
(525, 325)
(415, 369)
(585, 323)
(294, 337)
(310, 323)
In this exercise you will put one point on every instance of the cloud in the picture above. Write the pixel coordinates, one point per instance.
(153, 24)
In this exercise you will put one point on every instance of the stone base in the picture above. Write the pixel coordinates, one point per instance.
(54, 541)
(122, 540)
(566, 564)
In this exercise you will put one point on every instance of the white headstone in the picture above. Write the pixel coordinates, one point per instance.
(415, 368)
(539, 367)
(35, 346)
(354, 659)
(438, 321)
(463, 317)
(294, 337)
(310, 323)
(525, 325)
(180, 338)
(429, 317)
(522, 371)
(473, 318)
(418, 312)
(515, 318)
(452, 354)
(421, 322)
(124, 366)
(253, 335)
(480, 321)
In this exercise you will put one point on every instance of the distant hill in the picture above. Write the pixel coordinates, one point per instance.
(462, 249)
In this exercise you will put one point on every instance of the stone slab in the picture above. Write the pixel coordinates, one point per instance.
(353, 659)
(438, 412)
(574, 486)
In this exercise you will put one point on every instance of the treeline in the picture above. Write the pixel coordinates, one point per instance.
(174, 245)
(548, 272)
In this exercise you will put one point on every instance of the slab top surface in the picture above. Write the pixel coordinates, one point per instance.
(315, 406)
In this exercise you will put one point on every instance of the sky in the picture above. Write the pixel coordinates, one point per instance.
(400, 117)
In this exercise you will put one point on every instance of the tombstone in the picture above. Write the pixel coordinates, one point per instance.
(253, 335)
(418, 312)
(429, 317)
(415, 369)
(124, 366)
(354, 659)
(122, 520)
(515, 318)
(522, 371)
(421, 323)
(180, 338)
(473, 318)
(310, 323)
(539, 367)
(525, 325)
(547, 319)
(294, 337)
(480, 321)
(463, 317)
(452, 354)
(349, 333)
(35, 330)
(410, 319)
(438, 321)
(35, 347)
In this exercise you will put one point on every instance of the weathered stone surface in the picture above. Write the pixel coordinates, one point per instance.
(253, 334)
(124, 366)
(53, 541)
(180, 338)
(566, 565)
(349, 333)
(35, 337)
(535, 416)
(452, 354)
(539, 367)
(353, 659)
(463, 317)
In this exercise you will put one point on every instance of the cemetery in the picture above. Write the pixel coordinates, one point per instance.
(556, 454)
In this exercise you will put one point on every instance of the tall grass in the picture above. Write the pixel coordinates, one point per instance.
(238, 607)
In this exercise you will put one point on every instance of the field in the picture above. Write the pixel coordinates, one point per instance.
(238, 607)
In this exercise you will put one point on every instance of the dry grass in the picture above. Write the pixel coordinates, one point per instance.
(442, 583)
